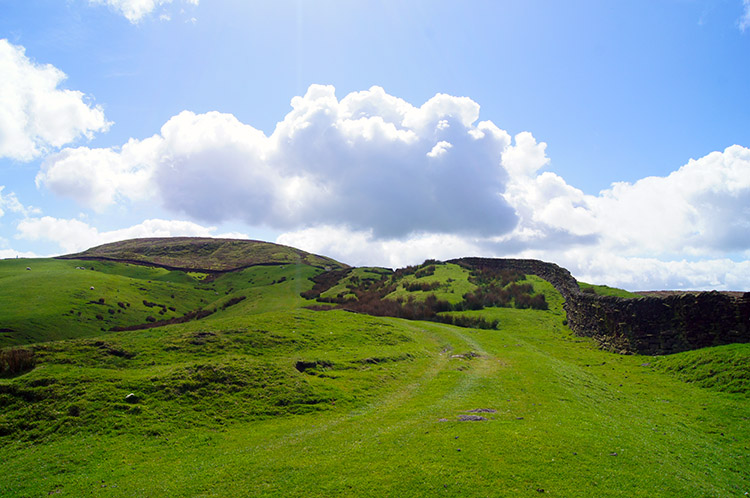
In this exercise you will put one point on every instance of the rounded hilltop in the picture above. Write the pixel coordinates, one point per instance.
(202, 254)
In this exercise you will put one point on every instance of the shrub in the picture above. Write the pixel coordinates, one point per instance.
(425, 271)
(232, 302)
(16, 360)
(421, 286)
(323, 282)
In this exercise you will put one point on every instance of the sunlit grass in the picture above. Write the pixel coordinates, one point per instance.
(266, 398)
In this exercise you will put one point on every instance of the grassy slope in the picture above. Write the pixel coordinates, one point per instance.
(359, 275)
(228, 414)
(724, 368)
(605, 290)
(44, 303)
(204, 253)
(454, 282)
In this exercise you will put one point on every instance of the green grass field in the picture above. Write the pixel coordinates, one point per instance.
(605, 290)
(266, 398)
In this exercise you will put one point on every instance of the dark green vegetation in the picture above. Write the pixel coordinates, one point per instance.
(264, 397)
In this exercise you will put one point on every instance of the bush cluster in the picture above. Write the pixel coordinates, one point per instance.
(421, 286)
(496, 288)
(425, 271)
(492, 276)
(233, 301)
(323, 282)
(16, 360)
(522, 295)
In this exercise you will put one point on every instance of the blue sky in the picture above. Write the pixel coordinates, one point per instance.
(610, 137)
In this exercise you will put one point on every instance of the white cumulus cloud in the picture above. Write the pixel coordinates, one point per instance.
(369, 161)
(9, 203)
(361, 248)
(97, 178)
(35, 114)
(10, 254)
(135, 10)
(373, 178)
(701, 209)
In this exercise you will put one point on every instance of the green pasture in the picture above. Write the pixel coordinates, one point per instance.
(267, 398)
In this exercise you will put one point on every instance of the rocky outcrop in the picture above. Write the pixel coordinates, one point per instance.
(646, 325)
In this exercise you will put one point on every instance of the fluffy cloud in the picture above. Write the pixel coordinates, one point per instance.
(372, 179)
(9, 202)
(360, 248)
(745, 19)
(668, 232)
(36, 115)
(369, 161)
(10, 253)
(135, 10)
(702, 209)
(649, 273)
(75, 235)
(98, 177)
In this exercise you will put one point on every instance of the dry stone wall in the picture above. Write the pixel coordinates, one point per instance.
(647, 325)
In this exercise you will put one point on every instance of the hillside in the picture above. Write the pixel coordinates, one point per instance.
(202, 254)
(136, 283)
(264, 396)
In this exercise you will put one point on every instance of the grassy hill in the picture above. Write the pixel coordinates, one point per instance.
(202, 253)
(265, 397)
(125, 284)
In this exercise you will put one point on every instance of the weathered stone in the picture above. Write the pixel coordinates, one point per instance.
(471, 418)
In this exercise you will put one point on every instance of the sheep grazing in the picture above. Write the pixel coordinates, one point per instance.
(92, 287)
